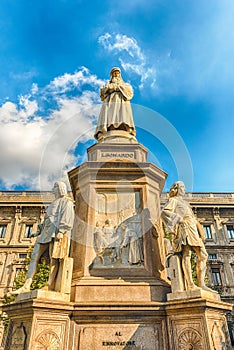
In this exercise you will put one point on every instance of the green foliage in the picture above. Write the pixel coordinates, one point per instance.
(41, 277)
(20, 278)
(8, 298)
(39, 280)
(4, 318)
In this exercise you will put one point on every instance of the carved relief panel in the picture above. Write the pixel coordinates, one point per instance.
(118, 238)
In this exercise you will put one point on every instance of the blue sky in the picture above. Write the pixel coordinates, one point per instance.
(177, 55)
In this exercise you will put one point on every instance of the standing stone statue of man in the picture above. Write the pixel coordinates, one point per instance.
(116, 112)
(53, 233)
(187, 234)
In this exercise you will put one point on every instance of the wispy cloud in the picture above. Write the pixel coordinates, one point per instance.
(121, 42)
(27, 75)
(67, 81)
(39, 146)
(131, 57)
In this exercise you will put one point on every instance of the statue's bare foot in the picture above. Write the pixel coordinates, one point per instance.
(204, 287)
(193, 287)
(21, 290)
(25, 288)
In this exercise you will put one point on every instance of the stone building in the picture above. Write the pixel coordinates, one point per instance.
(20, 213)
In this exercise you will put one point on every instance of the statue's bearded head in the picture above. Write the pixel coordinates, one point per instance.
(115, 74)
(177, 189)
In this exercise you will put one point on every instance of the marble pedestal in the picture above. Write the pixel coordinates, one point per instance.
(117, 184)
(39, 320)
(118, 305)
(197, 320)
(42, 322)
(114, 302)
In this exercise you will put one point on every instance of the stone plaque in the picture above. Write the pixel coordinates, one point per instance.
(19, 337)
(118, 155)
(120, 336)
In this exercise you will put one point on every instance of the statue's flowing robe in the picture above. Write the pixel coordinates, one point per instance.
(116, 108)
(135, 253)
(59, 218)
(179, 219)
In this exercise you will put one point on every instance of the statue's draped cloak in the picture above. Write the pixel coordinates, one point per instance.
(135, 254)
(179, 219)
(59, 218)
(116, 108)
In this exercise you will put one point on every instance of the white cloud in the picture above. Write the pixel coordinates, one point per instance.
(72, 123)
(131, 57)
(10, 113)
(38, 150)
(34, 88)
(68, 81)
(121, 43)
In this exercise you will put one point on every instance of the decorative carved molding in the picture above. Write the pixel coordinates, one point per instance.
(5, 220)
(190, 339)
(216, 211)
(18, 212)
(218, 335)
(48, 340)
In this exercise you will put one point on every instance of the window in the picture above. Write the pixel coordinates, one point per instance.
(207, 230)
(212, 256)
(22, 255)
(28, 231)
(230, 231)
(3, 230)
(18, 272)
(216, 277)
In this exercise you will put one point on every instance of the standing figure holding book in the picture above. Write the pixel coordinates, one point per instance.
(53, 234)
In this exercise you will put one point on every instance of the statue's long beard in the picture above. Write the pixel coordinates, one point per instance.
(116, 80)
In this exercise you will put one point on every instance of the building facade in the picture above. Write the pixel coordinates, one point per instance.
(21, 212)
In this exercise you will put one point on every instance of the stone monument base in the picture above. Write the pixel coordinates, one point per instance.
(194, 294)
(38, 323)
(97, 289)
(198, 324)
(190, 323)
(43, 294)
